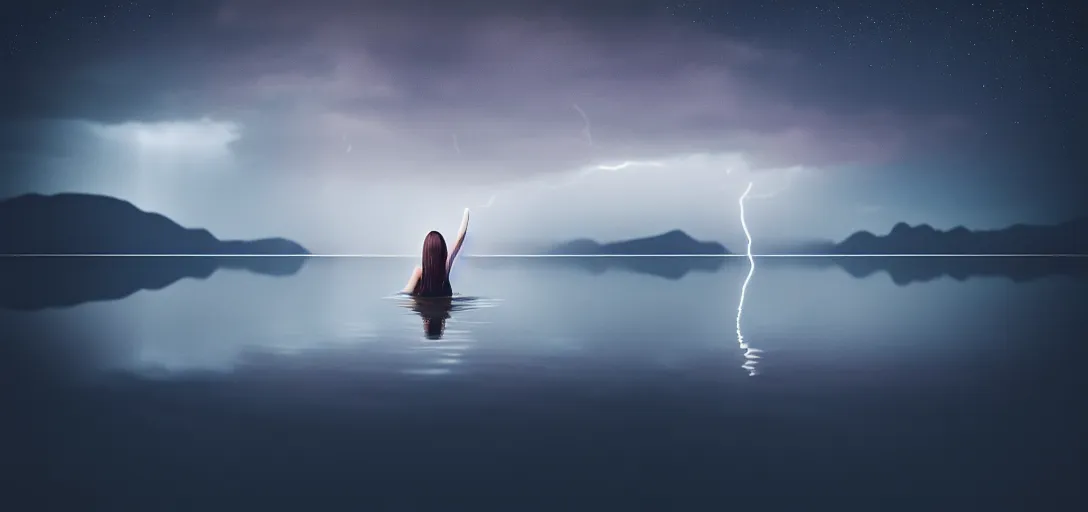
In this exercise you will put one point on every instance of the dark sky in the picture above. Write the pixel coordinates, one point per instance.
(316, 119)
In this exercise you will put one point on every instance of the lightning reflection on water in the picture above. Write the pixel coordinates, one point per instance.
(751, 355)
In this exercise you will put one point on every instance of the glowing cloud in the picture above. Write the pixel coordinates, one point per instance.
(201, 138)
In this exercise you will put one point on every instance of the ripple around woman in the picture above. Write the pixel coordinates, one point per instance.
(432, 277)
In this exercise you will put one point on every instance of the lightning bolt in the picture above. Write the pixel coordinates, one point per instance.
(624, 165)
(750, 354)
(586, 130)
(585, 172)
(793, 172)
(579, 176)
(456, 144)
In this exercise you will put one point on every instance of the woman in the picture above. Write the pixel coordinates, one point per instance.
(432, 279)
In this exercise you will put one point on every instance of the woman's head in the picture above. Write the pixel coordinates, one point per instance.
(434, 262)
(434, 251)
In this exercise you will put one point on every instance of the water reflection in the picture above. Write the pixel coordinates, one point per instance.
(910, 270)
(903, 270)
(337, 309)
(750, 354)
(436, 313)
(322, 372)
(35, 283)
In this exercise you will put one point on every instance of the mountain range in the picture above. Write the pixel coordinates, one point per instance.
(75, 224)
(80, 224)
(94, 224)
(674, 242)
(1069, 237)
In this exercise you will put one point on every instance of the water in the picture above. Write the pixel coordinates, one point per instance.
(549, 384)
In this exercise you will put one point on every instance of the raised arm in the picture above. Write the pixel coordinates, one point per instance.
(457, 243)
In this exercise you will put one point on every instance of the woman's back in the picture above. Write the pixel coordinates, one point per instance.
(432, 277)
(435, 288)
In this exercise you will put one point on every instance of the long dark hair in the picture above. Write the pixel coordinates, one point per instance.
(434, 282)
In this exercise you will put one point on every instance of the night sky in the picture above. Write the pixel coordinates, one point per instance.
(358, 126)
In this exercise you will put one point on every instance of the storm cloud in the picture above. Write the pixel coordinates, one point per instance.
(489, 92)
(328, 109)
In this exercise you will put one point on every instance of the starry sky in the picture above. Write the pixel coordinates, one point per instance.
(357, 126)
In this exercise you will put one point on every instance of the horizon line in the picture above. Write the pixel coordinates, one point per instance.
(402, 256)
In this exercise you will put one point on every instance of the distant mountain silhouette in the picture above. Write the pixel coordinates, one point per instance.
(1066, 238)
(674, 242)
(68, 224)
(93, 224)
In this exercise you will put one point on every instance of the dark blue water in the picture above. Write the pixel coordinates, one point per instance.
(553, 385)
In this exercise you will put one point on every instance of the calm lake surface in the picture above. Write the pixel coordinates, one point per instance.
(590, 384)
